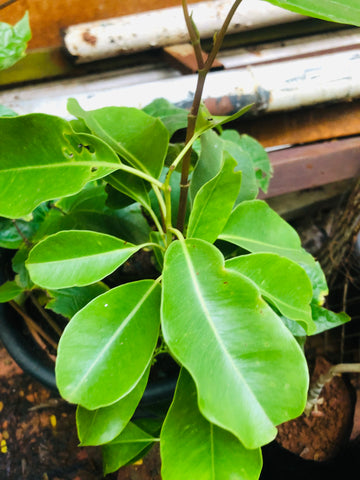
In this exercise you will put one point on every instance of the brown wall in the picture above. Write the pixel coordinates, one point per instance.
(48, 17)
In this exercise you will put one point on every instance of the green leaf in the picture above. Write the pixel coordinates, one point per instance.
(96, 427)
(259, 158)
(326, 319)
(191, 447)
(131, 186)
(205, 121)
(13, 41)
(9, 291)
(341, 11)
(76, 258)
(249, 188)
(231, 342)
(209, 163)
(103, 351)
(41, 158)
(18, 265)
(68, 301)
(124, 448)
(174, 118)
(253, 225)
(213, 203)
(281, 281)
(137, 137)
(318, 281)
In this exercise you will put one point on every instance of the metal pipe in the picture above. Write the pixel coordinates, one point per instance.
(158, 28)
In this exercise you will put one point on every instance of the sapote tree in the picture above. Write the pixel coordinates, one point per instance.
(233, 296)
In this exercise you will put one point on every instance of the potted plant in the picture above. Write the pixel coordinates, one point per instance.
(230, 294)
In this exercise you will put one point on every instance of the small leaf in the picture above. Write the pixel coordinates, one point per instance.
(191, 447)
(174, 118)
(9, 291)
(318, 281)
(131, 186)
(137, 137)
(253, 225)
(341, 11)
(76, 258)
(326, 319)
(13, 41)
(231, 342)
(213, 203)
(283, 282)
(38, 148)
(103, 351)
(68, 301)
(96, 427)
(126, 447)
(7, 112)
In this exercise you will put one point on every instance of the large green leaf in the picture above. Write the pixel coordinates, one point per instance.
(42, 158)
(342, 11)
(96, 427)
(68, 301)
(76, 258)
(253, 225)
(103, 351)
(13, 41)
(213, 203)
(231, 342)
(125, 448)
(191, 447)
(281, 281)
(140, 139)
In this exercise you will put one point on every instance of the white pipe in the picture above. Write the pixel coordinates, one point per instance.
(159, 28)
(283, 85)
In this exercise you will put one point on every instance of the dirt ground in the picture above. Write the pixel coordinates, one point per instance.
(38, 440)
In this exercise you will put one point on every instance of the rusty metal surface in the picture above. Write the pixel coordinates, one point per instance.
(183, 58)
(312, 166)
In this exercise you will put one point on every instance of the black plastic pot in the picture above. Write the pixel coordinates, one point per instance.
(23, 348)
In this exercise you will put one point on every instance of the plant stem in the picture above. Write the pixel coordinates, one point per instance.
(45, 315)
(32, 325)
(203, 70)
(316, 388)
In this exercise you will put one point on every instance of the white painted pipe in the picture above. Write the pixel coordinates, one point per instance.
(283, 85)
(159, 28)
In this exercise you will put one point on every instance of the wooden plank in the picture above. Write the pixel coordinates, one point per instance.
(313, 166)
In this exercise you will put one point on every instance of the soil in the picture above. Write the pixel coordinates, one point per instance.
(321, 435)
(38, 439)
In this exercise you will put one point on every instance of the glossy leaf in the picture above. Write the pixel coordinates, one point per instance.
(326, 319)
(254, 226)
(96, 427)
(100, 362)
(342, 11)
(38, 148)
(137, 137)
(213, 203)
(76, 258)
(281, 281)
(192, 447)
(318, 281)
(13, 41)
(9, 291)
(131, 186)
(68, 301)
(231, 342)
(209, 162)
(259, 158)
(249, 188)
(125, 448)
(174, 118)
